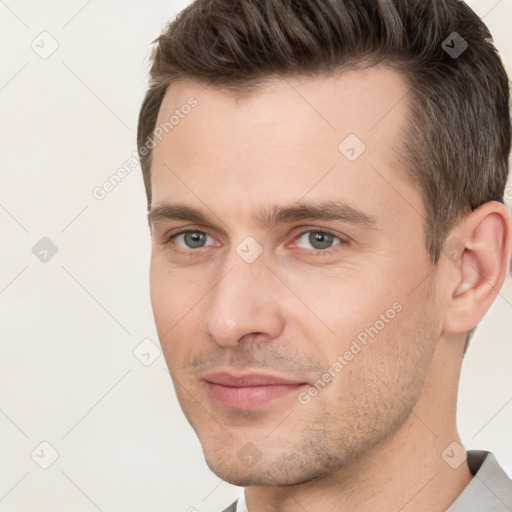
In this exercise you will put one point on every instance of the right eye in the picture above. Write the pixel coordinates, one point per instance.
(191, 239)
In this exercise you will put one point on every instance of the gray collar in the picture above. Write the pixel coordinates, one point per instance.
(490, 490)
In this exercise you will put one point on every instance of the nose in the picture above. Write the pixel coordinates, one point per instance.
(243, 304)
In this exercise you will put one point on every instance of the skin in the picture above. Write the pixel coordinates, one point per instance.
(387, 416)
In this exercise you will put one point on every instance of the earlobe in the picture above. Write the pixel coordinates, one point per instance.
(485, 235)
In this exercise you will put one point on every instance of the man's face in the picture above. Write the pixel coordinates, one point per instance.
(291, 289)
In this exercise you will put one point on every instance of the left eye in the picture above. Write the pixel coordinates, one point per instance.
(319, 240)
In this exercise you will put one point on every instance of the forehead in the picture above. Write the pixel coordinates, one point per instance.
(321, 136)
(356, 99)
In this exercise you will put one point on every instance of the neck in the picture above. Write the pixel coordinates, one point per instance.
(404, 472)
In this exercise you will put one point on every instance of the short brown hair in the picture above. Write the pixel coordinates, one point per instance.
(456, 139)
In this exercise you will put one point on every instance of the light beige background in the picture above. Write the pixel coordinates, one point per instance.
(68, 373)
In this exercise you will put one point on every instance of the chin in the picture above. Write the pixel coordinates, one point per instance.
(276, 471)
(240, 476)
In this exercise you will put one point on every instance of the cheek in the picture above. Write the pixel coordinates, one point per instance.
(173, 292)
(162, 299)
(384, 372)
(174, 301)
(361, 317)
(336, 308)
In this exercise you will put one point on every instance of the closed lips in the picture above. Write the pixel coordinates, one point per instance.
(248, 380)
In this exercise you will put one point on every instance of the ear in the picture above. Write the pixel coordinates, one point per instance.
(478, 255)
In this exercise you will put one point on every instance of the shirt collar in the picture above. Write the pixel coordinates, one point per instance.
(490, 488)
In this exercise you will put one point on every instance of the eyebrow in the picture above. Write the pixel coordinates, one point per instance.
(326, 211)
(166, 211)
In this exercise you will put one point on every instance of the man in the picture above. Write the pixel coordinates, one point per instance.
(325, 184)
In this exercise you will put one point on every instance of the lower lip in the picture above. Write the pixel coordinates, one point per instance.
(249, 397)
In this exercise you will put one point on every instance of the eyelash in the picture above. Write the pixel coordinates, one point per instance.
(170, 238)
(321, 252)
(316, 252)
